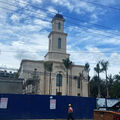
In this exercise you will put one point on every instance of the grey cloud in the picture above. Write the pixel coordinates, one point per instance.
(23, 54)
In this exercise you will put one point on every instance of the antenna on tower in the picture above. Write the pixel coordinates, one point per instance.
(58, 11)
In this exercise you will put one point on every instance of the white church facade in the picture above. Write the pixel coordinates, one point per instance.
(50, 76)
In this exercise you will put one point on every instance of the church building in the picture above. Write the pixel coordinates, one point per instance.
(51, 76)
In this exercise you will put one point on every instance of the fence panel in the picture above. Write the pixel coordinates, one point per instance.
(38, 106)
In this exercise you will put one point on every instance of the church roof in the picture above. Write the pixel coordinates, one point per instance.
(58, 16)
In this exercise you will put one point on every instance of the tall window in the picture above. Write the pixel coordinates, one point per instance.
(59, 26)
(78, 85)
(59, 43)
(59, 80)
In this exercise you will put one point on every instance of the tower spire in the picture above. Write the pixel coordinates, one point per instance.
(58, 11)
(57, 40)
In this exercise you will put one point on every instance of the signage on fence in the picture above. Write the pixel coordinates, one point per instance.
(52, 103)
(3, 103)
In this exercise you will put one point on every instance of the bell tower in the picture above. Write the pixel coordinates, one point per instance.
(57, 40)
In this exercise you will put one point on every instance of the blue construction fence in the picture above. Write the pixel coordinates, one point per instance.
(19, 106)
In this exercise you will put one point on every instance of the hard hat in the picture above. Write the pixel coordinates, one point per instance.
(69, 105)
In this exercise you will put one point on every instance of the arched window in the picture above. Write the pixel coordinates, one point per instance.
(78, 84)
(59, 26)
(59, 43)
(59, 80)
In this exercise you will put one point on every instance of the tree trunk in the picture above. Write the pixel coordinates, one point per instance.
(81, 86)
(99, 94)
(81, 79)
(67, 83)
(44, 82)
(107, 91)
(50, 89)
(70, 82)
(88, 86)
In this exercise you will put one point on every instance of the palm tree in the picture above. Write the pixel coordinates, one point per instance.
(45, 69)
(117, 77)
(94, 86)
(87, 69)
(49, 67)
(110, 83)
(68, 64)
(104, 65)
(98, 70)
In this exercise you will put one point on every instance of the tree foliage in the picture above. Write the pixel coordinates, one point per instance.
(98, 70)
(87, 67)
(104, 68)
(68, 64)
(113, 86)
(48, 66)
(108, 87)
(104, 65)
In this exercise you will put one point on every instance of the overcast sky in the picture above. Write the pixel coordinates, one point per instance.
(93, 30)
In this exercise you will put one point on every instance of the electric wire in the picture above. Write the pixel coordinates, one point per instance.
(114, 8)
(66, 25)
(77, 19)
(68, 51)
(49, 21)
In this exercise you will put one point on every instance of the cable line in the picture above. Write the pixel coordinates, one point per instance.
(101, 5)
(77, 19)
(64, 15)
(71, 17)
(68, 51)
(65, 25)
